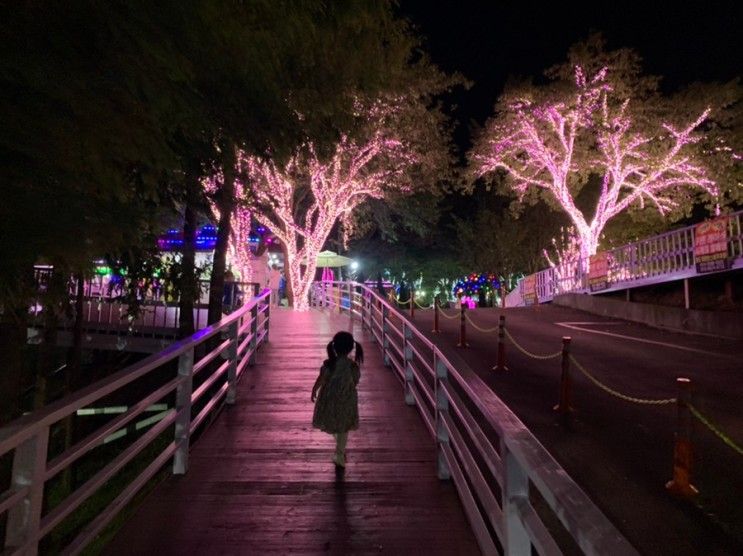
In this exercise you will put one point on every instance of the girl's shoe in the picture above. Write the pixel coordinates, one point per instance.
(339, 459)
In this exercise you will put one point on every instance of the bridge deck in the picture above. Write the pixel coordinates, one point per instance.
(261, 479)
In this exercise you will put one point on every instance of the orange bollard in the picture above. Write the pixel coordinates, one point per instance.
(436, 315)
(563, 407)
(683, 452)
(412, 303)
(462, 329)
(501, 364)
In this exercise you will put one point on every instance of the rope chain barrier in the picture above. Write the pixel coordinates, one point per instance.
(527, 352)
(605, 388)
(443, 314)
(397, 300)
(422, 307)
(715, 430)
(486, 330)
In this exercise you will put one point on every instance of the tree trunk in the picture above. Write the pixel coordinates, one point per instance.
(12, 343)
(188, 289)
(13, 339)
(75, 357)
(56, 299)
(226, 202)
(287, 278)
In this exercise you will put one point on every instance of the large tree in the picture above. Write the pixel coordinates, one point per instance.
(597, 141)
(302, 200)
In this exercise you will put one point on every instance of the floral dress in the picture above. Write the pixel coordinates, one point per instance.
(337, 405)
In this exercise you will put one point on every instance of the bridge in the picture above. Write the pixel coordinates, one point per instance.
(439, 465)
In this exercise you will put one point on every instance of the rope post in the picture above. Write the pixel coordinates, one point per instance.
(436, 315)
(462, 328)
(412, 303)
(683, 453)
(563, 407)
(501, 364)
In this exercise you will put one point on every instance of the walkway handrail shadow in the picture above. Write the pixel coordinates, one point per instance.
(216, 356)
(514, 492)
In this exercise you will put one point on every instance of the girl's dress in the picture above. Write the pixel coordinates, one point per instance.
(337, 405)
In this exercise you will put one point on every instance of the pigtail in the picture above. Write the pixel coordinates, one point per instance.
(331, 354)
(359, 354)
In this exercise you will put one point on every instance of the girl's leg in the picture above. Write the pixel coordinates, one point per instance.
(340, 448)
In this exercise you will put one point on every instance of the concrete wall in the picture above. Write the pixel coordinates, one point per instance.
(716, 323)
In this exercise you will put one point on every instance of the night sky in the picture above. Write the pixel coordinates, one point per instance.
(489, 41)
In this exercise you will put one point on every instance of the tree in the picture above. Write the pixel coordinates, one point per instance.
(302, 200)
(597, 147)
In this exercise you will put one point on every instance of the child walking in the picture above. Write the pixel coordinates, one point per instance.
(337, 407)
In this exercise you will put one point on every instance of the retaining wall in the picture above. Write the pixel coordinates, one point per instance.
(717, 323)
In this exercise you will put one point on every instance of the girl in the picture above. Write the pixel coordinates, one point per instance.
(337, 408)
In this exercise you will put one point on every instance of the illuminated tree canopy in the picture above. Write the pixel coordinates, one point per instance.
(301, 200)
(605, 131)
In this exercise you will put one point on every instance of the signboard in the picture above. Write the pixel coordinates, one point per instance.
(598, 272)
(529, 290)
(711, 245)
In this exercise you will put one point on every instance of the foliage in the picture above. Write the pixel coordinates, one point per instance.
(609, 136)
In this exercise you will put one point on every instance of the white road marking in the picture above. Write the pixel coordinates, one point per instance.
(574, 326)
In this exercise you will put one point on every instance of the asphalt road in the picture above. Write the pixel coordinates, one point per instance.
(621, 452)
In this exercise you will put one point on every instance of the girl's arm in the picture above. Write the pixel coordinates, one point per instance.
(318, 384)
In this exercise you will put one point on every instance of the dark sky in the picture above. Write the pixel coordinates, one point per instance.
(488, 41)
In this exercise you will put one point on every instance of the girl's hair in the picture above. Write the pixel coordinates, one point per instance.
(343, 344)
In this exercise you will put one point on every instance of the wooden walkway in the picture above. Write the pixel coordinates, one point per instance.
(261, 479)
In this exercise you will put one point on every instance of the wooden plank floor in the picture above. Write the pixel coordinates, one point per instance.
(261, 479)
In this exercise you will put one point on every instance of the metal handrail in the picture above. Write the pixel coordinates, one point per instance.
(27, 438)
(493, 459)
(663, 257)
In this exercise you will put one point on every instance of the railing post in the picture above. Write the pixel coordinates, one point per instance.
(563, 406)
(231, 354)
(412, 303)
(407, 350)
(442, 405)
(462, 327)
(436, 315)
(683, 451)
(253, 334)
(338, 296)
(267, 318)
(515, 493)
(385, 336)
(501, 362)
(29, 466)
(183, 412)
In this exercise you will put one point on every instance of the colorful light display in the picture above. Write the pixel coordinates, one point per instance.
(471, 286)
(536, 145)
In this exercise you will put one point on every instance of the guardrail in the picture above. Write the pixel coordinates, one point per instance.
(498, 467)
(228, 347)
(105, 308)
(661, 258)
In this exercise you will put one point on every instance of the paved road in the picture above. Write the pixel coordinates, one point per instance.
(621, 452)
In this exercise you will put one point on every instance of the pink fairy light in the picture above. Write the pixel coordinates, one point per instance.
(302, 200)
(535, 145)
(238, 249)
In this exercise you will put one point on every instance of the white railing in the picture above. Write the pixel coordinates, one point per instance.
(104, 307)
(665, 257)
(227, 346)
(499, 468)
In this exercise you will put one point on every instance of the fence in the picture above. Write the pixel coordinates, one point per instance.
(665, 257)
(499, 468)
(233, 341)
(105, 309)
